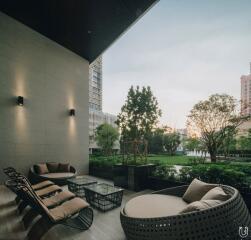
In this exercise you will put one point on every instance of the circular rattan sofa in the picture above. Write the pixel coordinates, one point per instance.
(58, 178)
(221, 222)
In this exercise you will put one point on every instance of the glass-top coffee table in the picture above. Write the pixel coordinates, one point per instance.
(76, 185)
(103, 196)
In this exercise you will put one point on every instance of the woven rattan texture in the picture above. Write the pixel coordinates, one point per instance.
(218, 223)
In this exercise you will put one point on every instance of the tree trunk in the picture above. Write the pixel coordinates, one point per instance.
(212, 151)
(212, 156)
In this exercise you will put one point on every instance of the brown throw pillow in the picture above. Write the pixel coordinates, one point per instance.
(64, 167)
(41, 168)
(216, 193)
(200, 205)
(196, 190)
(52, 167)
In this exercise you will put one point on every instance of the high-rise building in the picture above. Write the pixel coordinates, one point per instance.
(245, 103)
(96, 116)
(246, 94)
(95, 85)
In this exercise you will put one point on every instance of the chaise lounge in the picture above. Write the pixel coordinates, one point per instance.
(166, 215)
(60, 208)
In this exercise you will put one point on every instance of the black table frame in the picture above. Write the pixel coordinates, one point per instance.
(104, 202)
(78, 188)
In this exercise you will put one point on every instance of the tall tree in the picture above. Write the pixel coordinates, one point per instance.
(139, 115)
(244, 142)
(106, 136)
(216, 118)
(155, 141)
(192, 144)
(171, 142)
(229, 142)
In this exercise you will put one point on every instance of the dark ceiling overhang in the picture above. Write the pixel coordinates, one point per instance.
(86, 27)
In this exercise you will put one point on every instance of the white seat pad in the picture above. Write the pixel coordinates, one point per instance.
(58, 175)
(154, 206)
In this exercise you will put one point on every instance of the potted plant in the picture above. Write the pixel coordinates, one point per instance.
(136, 121)
(134, 170)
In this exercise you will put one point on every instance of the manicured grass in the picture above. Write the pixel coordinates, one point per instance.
(241, 163)
(163, 159)
(188, 160)
(170, 160)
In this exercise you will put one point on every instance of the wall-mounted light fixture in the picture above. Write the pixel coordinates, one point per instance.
(20, 100)
(72, 112)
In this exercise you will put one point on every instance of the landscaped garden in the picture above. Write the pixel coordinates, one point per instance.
(148, 155)
(182, 168)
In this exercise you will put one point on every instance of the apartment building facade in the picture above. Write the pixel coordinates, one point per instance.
(96, 115)
(246, 94)
(245, 103)
(95, 85)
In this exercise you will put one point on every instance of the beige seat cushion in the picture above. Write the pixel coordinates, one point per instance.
(200, 205)
(58, 198)
(216, 193)
(58, 175)
(68, 208)
(154, 205)
(48, 190)
(42, 184)
(196, 190)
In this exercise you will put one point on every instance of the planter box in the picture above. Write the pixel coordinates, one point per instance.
(158, 183)
(132, 177)
(120, 175)
(102, 172)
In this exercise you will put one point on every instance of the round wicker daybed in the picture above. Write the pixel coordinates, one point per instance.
(59, 178)
(220, 222)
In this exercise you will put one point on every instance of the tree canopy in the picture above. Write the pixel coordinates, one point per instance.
(139, 115)
(244, 142)
(171, 142)
(215, 119)
(106, 136)
(192, 144)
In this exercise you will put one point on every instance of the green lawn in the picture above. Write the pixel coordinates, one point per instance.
(163, 159)
(170, 160)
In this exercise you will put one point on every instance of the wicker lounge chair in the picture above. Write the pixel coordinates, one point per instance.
(221, 222)
(74, 213)
(13, 174)
(48, 189)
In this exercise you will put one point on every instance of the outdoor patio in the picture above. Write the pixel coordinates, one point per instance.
(62, 175)
(106, 226)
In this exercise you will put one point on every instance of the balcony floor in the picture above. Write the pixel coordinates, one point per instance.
(106, 226)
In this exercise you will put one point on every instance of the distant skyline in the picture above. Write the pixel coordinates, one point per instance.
(185, 51)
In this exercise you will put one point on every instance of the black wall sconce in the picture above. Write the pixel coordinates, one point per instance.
(20, 101)
(72, 112)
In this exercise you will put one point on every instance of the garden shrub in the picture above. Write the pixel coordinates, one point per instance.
(238, 176)
(101, 161)
(165, 172)
(196, 160)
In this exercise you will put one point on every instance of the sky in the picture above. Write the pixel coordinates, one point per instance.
(185, 51)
